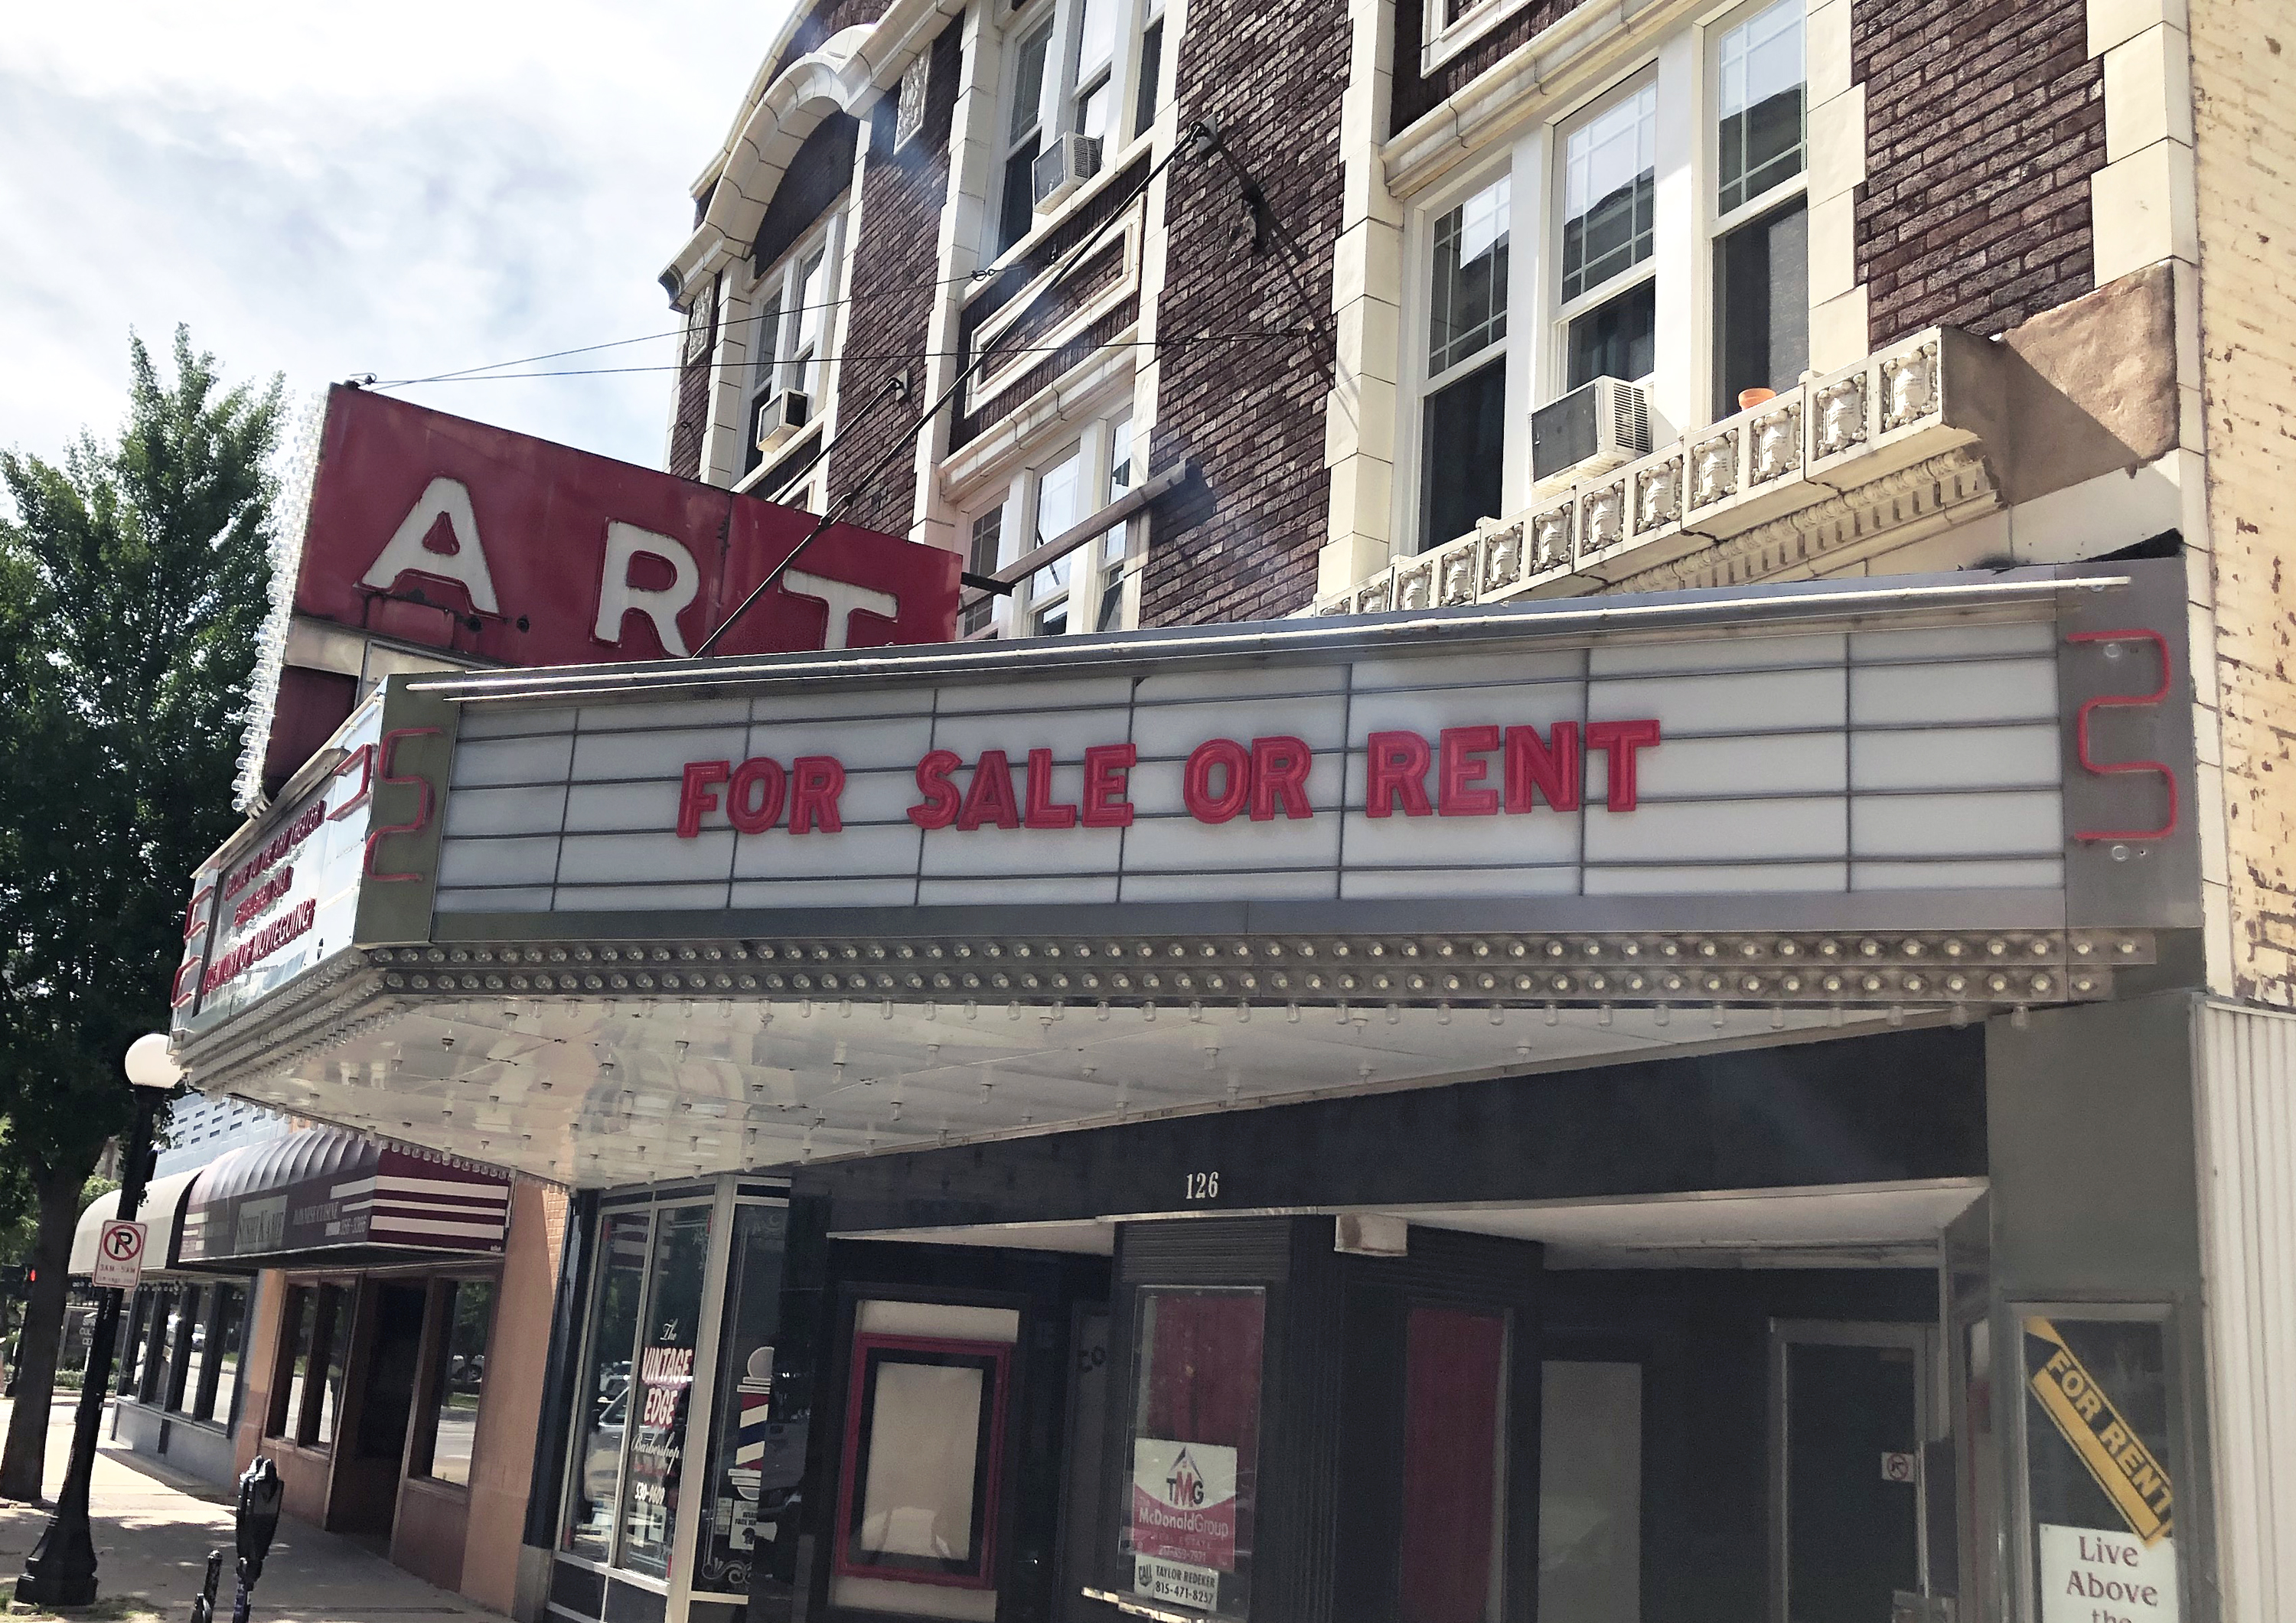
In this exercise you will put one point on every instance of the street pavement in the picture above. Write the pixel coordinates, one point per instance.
(154, 1527)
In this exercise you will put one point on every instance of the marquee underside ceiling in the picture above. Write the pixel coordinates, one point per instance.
(596, 1092)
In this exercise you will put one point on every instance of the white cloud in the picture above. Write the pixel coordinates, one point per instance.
(329, 191)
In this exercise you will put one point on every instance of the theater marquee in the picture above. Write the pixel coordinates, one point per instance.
(1782, 808)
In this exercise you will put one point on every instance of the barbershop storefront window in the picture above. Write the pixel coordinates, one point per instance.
(675, 1376)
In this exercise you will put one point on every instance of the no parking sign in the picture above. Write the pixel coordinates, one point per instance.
(119, 1256)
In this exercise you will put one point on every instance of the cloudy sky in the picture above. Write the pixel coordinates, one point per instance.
(325, 190)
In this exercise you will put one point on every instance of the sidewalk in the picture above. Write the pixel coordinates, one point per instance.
(154, 1527)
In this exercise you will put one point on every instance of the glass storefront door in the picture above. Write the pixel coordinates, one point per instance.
(757, 1460)
(683, 1306)
(1850, 1410)
(669, 1334)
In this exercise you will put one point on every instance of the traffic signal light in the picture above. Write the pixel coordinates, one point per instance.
(16, 1281)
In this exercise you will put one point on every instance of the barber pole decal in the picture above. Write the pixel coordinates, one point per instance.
(754, 1392)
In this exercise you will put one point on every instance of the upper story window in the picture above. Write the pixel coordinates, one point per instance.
(1610, 183)
(1759, 65)
(1089, 588)
(1464, 421)
(1069, 64)
(1024, 135)
(1093, 101)
(791, 373)
(1467, 313)
(1505, 312)
(1148, 75)
(1761, 226)
(1608, 289)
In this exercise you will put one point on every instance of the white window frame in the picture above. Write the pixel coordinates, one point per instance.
(1718, 225)
(1419, 384)
(1646, 269)
(823, 245)
(1058, 93)
(1441, 40)
(1538, 318)
(1106, 442)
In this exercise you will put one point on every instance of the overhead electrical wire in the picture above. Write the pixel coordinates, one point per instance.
(1068, 262)
(872, 296)
(837, 360)
(1203, 139)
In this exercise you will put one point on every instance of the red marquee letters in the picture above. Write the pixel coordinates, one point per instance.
(1479, 772)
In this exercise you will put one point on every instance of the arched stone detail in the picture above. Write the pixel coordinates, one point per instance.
(834, 79)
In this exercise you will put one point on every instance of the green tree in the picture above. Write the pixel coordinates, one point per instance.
(132, 579)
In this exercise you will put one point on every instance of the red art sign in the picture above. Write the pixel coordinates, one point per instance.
(443, 533)
(1463, 772)
(437, 530)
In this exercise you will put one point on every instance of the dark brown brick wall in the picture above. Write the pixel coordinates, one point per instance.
(1051, 308)
(1984, 123)
(1240, 389)
(1413, 95)
(895, 264)
(825, 19)
(693, 401)
(818, 174)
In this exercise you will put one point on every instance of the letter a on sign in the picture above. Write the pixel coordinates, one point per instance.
(442, 498)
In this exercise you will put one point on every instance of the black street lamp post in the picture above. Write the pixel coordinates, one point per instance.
(60, 1570)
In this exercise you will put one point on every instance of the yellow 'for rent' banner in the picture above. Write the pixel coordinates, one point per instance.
(2136, 1482)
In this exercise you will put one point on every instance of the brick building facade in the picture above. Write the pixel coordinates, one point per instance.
(1427, 304)
(1894, 166)
(1472, 206)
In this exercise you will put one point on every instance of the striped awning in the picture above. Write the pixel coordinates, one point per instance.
(161, 1211)
(328, 1195)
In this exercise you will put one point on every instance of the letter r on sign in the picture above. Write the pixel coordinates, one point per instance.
(617, 596)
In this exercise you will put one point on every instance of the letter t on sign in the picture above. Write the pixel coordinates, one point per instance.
(1619, 740)
(844, 599)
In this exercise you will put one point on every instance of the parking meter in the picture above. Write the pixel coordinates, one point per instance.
(258, 1521)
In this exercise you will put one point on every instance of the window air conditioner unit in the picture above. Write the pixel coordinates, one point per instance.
(780, 417)
(1589, 430)
(1061, 168)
